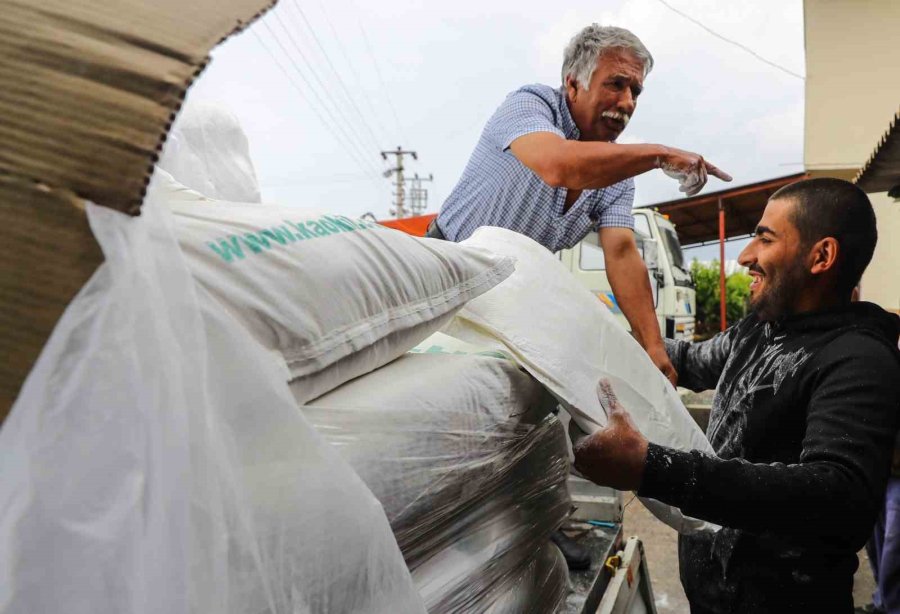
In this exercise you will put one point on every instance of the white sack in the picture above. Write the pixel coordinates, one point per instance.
(207, 151)
(330, 297)
(155, 461)
(431, 430)
(460, 447)
(568, 340)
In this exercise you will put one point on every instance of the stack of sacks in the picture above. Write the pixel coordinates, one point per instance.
(567, 339)
(460, 447)
(328, 297)
(541, 588)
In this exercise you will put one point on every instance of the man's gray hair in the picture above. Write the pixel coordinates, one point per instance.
(580, 58)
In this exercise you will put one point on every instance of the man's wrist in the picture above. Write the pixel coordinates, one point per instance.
(650, 340)
(640, 457)
(660, 153)
(667, 475)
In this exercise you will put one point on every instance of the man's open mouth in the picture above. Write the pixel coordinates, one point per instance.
(757, 281)
(614, 120)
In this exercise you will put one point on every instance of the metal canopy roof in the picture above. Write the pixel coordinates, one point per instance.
(882, 172)
(696, 218)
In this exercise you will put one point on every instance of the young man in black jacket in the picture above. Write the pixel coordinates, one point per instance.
(803, 422)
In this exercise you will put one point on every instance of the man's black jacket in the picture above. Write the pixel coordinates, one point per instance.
(803, 424)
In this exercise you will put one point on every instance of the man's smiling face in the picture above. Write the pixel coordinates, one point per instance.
(602, 111)
(776, 261)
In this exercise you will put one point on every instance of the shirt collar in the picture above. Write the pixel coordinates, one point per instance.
(566, 122)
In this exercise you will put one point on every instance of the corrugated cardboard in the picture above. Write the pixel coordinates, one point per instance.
(88, 91)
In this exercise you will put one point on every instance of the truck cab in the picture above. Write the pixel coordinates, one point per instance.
(673, 291)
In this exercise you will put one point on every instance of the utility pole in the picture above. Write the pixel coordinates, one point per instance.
(400, 183)
(418, 196)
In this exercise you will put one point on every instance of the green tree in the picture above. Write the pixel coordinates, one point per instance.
(737, 296)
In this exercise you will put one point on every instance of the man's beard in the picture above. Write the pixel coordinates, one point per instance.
(778, 298)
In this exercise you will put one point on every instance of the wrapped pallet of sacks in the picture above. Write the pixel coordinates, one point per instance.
(461, 448)
(568, 340)
(330, 298)
(540, 588)
(155, 461)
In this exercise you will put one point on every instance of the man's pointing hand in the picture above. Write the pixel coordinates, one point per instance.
(689, 169)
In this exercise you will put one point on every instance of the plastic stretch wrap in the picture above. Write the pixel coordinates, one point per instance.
(487, 561)
(468, 463)
(155, 461)
(540, 588)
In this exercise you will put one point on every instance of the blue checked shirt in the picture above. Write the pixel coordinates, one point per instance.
(497, 190)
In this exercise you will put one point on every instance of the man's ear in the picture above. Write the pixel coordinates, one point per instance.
(571, 87)
(823, 256)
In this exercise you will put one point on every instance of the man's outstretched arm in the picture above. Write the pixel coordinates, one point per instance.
(630, 284)
(589, 165)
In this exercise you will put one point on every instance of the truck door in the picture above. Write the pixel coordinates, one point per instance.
(588, 264)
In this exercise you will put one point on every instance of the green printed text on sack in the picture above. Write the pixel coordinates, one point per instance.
(237, 247)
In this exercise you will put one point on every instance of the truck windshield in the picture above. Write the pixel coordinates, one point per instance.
(673, 247)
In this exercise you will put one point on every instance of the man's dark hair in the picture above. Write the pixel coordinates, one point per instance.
(836, 208)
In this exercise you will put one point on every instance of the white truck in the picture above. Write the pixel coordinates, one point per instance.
(670, 280)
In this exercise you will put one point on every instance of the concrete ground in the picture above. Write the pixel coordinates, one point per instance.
(661, 548)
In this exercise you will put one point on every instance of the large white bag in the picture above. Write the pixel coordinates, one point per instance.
(331, 297)
(155, 461)
(568, 340)
(207, 150)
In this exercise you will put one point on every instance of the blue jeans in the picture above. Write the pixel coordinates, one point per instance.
(884, 551)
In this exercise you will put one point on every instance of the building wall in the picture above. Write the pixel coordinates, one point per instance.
(881, 281)
(852, 81)
(852, 93)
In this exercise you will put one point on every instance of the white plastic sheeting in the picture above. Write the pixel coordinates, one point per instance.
(155, 461)
(567, 339)
(207, 151)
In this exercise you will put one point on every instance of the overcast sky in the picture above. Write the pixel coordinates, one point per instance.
(321, 89)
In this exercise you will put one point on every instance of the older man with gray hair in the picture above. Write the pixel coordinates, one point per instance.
(547, 166)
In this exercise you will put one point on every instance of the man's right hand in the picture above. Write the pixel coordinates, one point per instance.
(689, 169)
(662, 361)
(616, 454)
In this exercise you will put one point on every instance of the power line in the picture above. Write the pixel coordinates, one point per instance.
(342, 48)
(387, 92)
(324, 88)
(335, 71)
(345, 144)
(340, 124)
(732, 42)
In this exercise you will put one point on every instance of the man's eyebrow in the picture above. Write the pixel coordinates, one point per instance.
(764, 230)
(634, 83)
